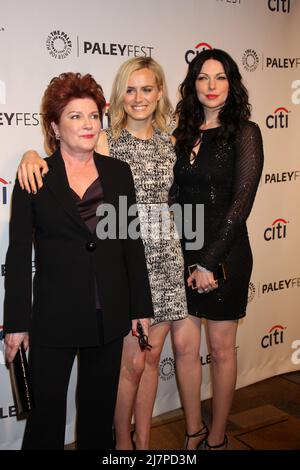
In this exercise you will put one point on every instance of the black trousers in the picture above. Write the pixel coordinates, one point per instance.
(98, 376)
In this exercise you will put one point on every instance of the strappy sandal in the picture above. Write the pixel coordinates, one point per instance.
(207, 446)
(202, 433)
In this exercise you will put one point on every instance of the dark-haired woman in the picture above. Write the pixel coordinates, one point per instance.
(219, 163)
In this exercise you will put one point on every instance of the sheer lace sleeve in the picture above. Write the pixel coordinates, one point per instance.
(248, 169)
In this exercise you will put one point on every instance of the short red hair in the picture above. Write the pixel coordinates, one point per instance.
(60, 91)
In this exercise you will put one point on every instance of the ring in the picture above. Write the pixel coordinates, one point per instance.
(206, 290)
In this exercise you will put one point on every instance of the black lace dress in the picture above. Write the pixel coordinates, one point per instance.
(224, 177)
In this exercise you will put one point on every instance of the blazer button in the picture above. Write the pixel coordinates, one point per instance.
(90, 246)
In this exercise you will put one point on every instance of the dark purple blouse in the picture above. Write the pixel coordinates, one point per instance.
(87, 206)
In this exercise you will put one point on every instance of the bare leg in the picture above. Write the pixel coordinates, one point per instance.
(132, 366)
(186, 339)
(222, 337)
(148, 386)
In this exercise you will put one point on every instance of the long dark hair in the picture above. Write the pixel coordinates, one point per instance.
(235, 111)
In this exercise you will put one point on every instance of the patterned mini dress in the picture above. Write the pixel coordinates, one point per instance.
(151, 162)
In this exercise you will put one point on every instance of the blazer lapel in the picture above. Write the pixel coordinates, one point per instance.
(106, 176)
(57, 181)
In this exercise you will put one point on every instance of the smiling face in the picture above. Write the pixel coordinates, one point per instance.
(212, 85)
(79, 126)
(141, 96)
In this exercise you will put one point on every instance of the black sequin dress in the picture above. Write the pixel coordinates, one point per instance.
(224, 177)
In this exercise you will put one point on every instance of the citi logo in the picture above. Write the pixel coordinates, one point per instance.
(279, 119)
(282, 6)
(2, 92)
(3, 191)
(191, 53)
(276, 231)
(273, 337)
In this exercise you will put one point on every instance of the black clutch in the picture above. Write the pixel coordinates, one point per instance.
(21, 383)
(220, 274)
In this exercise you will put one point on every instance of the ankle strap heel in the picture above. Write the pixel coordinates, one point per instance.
(222, 446)
(203, 433)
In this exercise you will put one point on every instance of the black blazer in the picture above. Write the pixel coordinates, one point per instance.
(68, 260)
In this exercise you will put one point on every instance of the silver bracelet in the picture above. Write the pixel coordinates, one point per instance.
(201, 269)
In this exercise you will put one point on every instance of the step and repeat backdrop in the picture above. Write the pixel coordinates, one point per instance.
(39, 40)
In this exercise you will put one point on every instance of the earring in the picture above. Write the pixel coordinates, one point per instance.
(57, 136)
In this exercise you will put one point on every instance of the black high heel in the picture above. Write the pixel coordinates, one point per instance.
(202, 433)
(207, 446)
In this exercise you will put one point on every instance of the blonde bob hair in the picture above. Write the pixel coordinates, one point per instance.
(163, 115)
